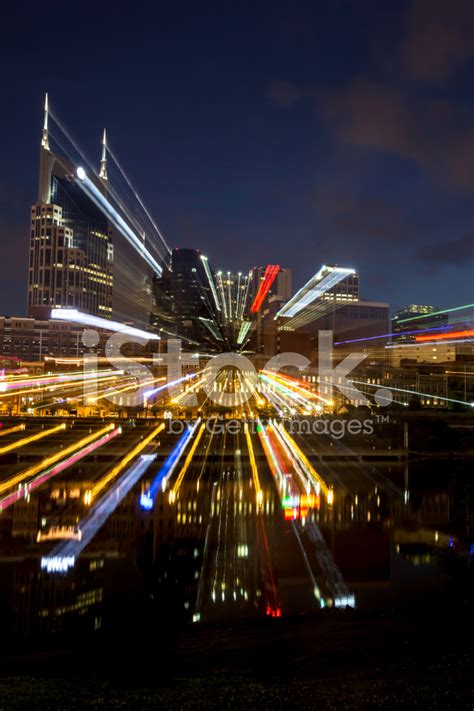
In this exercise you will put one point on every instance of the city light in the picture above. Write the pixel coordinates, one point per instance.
(111, 213)
(31, 438)
(115, 471)
(64, 555)
(271, 273)
(46, 474)
(49, 461)
(326, 278)
(76, 316)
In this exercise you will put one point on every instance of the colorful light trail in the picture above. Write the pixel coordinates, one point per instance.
(115, 471)
(25, 491)
(269, 277)
(64, 555)
(31, 438)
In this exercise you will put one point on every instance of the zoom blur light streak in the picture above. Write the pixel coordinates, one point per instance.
(253, 467)
(413, 392)
(111, 213)
(244, 329)
(49, 461)
(329, 493)
(75, 316)
(11, 430)
(326, 278)
(24, 491)
(115, 471)
(436, 313)
(443, 336)
(64, 555)
(269, 277)
(150, 393)
(211, 281)
(31, 438)
(187, 462)
(43, 381)
(294, 384)
(148, 497)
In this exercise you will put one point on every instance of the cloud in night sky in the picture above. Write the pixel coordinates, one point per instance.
(435, 134)
(457, 253)
(284, 93)
(438, 39)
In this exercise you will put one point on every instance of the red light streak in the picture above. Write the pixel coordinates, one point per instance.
(268, 278)
(444, 336)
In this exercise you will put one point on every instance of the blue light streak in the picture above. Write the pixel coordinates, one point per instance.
(148, 497)
(64, 555)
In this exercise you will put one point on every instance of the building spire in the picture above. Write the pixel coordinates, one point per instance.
(103, 161)
(45, 138)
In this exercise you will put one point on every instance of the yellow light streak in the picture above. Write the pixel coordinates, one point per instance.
(49, 461)
(186, 464)
(10, 430)
(31, 438)
(112, 473)
(253, 466)
(309, 467)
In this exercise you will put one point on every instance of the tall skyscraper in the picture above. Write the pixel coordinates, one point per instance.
(94, 247)
(71, 252)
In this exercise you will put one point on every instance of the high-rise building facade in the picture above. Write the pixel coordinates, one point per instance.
(71, 252)
(94, 247)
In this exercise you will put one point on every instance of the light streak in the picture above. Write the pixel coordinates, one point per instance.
(220, 286)
(186, 464)
(452, 334)
(24, 491)
(115, 471)
(393, 335)
(42, 381)
(317, 479)
(10, 430)
(211, 281)
(326, 278)
(412, 392)
(435, 313)
(75, 316)
(269, 277)
(137, 196)
(295, 384)
(248, 279)
(244, 329)
(148, 497)
(64, 555)
(105, 206)
(437, 343)
(253, 467)
(150, 393)
(31, 438)
(31, 471)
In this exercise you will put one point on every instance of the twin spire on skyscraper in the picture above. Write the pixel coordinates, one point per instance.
(103, 162)
(45, 138)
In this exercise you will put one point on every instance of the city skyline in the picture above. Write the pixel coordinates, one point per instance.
(333, 195)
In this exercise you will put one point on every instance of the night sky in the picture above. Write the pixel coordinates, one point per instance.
(298, 134)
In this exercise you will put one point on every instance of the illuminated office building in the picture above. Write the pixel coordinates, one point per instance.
(71, 253)
(89, 250)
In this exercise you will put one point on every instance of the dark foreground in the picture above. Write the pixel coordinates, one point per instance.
(339, 660)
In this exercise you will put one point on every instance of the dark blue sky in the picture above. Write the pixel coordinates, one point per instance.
(299, 134)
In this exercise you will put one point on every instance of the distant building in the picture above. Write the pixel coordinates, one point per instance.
(330, 301)
(407, 321)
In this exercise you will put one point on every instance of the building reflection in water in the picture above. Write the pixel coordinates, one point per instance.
(212, 554)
